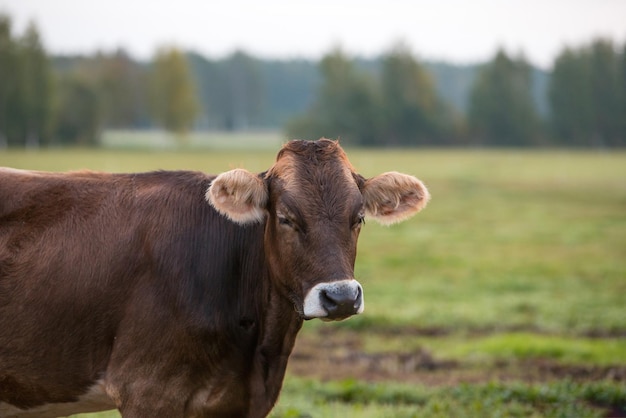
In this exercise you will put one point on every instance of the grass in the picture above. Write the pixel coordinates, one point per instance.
(520, 257)
(215, 140)
(491, 347)
(526, 345)
(350, 398)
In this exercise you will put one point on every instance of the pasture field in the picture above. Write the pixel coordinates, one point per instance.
(505, 297)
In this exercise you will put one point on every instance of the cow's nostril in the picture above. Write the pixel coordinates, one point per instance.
(328, 301)
(341, 303)
(359, 298)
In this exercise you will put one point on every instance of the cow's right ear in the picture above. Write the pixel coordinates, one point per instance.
(393, 197)
(239, 195)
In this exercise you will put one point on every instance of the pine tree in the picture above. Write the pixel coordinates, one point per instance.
(346, 105)
(587, 96)
(622, 92)
(9, 82)
(569, 95)
(36, 94)
(123, 86)
(79, 115)
(413, 112)
(501, 109)
(605, 93)
(174, 102)
(242, 91)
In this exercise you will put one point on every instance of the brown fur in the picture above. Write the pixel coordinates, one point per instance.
(135, 284)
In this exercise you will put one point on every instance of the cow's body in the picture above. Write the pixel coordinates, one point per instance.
(130, 291)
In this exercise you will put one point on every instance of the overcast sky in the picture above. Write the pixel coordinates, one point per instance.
(460, 31)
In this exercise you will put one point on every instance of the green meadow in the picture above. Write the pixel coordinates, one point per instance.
(505, 297)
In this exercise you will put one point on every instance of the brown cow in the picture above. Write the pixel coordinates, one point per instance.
(130, 291)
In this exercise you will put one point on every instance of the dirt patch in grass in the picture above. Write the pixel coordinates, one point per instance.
(338, 355)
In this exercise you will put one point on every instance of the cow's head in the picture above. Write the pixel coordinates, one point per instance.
(313, 204)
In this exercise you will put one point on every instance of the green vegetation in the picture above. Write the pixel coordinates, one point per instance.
(504, 297)
(593, 112)
(26, 87)
(526, 346)
(510, 240)
(501, 109)
(398, 107)
(353, 399)
(174, 102)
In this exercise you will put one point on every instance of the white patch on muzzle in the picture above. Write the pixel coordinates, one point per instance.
(317, 298)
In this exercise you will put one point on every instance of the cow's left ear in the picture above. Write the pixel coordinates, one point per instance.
(393, 197)
(239, 195)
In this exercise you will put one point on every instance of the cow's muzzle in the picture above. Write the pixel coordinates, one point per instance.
(334, 300)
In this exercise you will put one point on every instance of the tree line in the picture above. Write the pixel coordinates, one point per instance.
(401, 104)
(392, 100)
(26, 87)
(63, 100)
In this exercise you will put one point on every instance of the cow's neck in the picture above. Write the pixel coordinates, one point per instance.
(280, 328)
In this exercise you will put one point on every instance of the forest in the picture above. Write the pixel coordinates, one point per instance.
(395, 99)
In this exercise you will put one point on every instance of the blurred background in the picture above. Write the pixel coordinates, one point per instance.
(505, 297)
(372, 73)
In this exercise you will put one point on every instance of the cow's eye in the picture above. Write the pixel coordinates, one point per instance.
(283, 220)
(359, 221)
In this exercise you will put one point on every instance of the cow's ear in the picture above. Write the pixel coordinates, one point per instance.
(239, 195)
(393, 197)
